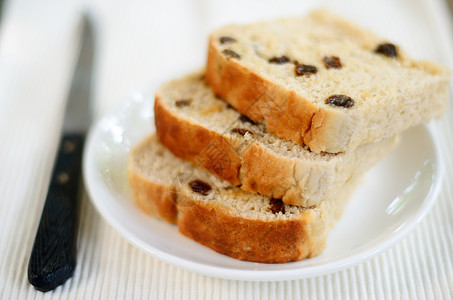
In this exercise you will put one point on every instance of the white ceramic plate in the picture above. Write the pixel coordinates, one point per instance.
(394, 196)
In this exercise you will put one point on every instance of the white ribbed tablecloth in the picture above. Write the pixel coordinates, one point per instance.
(143, 41)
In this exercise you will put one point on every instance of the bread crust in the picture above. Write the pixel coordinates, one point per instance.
(155, 199)
(202, 147)
(273, 241)
(273, 177)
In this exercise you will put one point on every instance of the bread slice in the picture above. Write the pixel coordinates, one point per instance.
(295, 76)
(198, 127)
(223, 217)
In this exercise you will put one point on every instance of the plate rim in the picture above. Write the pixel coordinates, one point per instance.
(95, 193)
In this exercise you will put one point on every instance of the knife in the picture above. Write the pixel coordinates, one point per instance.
(54, 253)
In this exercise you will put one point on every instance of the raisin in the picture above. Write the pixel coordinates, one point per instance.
(245, 119)
(277, 206)
(200, 187)
(387, 49)
(340, 100)
(231, 54)
(183, 102)
(332, 62)
(241, 131)
(306, 70)
(226, 40)
(279, 60)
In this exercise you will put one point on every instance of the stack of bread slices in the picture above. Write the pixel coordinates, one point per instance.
(256, 155)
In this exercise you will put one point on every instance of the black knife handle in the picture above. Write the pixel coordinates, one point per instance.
(54, 253)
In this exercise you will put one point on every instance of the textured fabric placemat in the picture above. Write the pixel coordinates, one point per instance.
(141, 41)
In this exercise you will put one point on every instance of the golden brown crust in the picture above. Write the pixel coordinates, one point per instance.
(202, 147)
(273, 178)
(273, 241)
(285, 113)
(155, 199)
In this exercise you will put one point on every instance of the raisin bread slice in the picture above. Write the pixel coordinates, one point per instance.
(322, 81)
(200, 128)
(223, 217)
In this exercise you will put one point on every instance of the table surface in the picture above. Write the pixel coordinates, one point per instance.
(150, 41)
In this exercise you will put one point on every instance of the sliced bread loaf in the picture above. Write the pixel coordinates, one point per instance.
(323, 82)
(205, 130)
(224, 218)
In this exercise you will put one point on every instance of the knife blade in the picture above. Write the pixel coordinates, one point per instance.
(54, 254)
